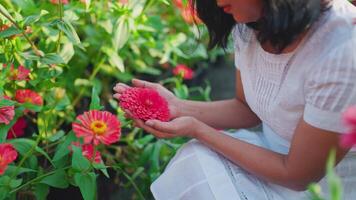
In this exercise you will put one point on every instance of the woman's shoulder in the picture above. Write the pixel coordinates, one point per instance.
(337, 24)
(241, 35)
(335, 33)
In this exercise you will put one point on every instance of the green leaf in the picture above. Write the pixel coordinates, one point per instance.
(141, 142)
(14, 183)
(102, 168)
(34, 18)
(6, 102)
(52, 58)
(315, 191)
(70, 32)
(4, 10)
(335, 186)
(121, 33)
(87, 185)
(67, 52)
(33, 107)
(4, 191)
(56, 136)
(23, 146)
(10, 32)
(95, 99)
(79, 162)
(56, 180)
(41, 191)
(62, 149)
(11, 169)
(114, 59)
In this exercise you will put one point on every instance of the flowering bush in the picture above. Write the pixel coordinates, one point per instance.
(59, 125)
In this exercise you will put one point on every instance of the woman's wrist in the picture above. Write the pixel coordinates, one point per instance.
(178, 108)
(200, 129)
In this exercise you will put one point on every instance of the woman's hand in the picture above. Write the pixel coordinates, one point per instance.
(178, 127)
(173, 101)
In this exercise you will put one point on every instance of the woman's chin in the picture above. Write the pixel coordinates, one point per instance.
(243, 19)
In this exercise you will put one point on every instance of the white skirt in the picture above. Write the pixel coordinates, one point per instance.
(199, 173)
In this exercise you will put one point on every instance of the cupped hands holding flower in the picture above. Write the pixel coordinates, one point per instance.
(175, 126)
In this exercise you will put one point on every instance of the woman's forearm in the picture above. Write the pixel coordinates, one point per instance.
(220, 114)
(263, 163)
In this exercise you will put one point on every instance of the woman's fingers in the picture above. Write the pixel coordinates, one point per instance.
(117, 96)
(166, 127)
(143, 84)
(120, 87)
(156, 133)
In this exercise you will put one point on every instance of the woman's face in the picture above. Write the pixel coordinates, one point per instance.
(243, 11)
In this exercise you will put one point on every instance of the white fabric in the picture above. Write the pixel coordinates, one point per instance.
(198, 173)
(316, 83)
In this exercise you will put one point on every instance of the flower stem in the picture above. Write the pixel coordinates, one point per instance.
(25, 158)
(60, 11)
(130, 180)
(35, 49)
(37, 179)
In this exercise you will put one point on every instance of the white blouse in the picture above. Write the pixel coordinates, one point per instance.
(316, 82)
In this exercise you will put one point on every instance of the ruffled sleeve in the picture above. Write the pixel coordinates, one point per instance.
(331, 88)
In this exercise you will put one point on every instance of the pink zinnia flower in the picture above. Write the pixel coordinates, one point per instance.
(348, 140)
(145, 104)
(184, 71)
(7, 113)
(7, 155)
(19, 74)
(28, 96)
(88, 152)
(57, 1)
(97, 126)
(18, 129)
(349, 117)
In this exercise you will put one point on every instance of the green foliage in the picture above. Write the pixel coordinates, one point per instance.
(76, 53)
(334, 182)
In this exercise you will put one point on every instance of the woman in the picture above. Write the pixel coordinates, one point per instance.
(296, 74)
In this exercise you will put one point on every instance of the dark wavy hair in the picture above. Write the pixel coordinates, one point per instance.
(281, 22)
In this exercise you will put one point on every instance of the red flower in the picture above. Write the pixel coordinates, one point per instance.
(18, 129)
(7, 113)
(7, 155)
(57, 1)
(4, 27)
(184, 71)
(178, 3)
(28, 96)
(188, 11)
(145, 104)
(97, 126)
(88, 152)
(19, 74)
